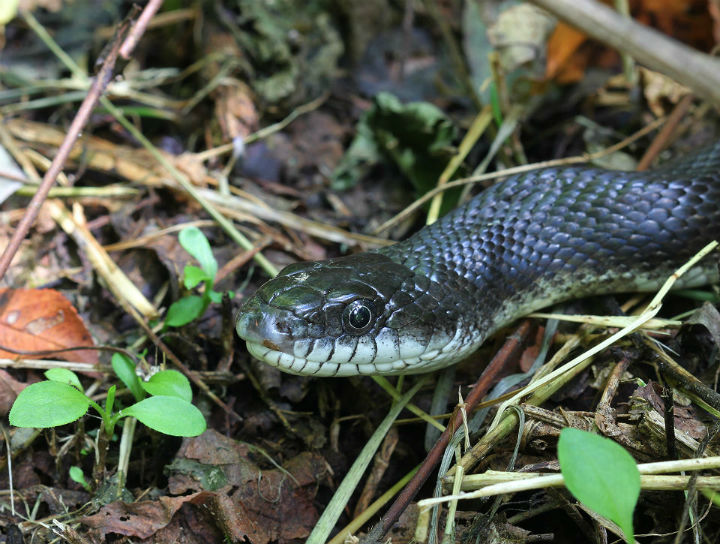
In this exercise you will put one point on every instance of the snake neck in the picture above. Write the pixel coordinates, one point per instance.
(552, 235)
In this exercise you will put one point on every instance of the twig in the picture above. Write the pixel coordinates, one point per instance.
(81, 119)
(480, 123)
(138, 29)
(192, 376)
(660, 141)
(332, 512)
(650, 311)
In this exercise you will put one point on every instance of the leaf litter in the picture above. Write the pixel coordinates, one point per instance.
(290, 87)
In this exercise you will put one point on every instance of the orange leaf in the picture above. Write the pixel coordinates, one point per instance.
(41, 320)
(562, 46)
(569, 51)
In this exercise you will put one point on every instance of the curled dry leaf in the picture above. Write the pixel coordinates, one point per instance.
(42, 320)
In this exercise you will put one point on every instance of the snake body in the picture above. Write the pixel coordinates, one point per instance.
(530, 241)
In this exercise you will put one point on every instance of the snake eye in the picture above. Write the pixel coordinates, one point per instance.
(358, 316)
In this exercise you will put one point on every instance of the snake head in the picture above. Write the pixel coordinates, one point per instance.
(362, 314)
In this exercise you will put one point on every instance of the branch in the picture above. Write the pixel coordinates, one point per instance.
(658, 52)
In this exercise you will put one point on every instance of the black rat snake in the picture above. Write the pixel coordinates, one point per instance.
(533, 240)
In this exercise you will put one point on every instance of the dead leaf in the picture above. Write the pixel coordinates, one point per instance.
(520, 34)
(714, 9)
(685, 20)
(562, 63)
(139, 519)
(660, 91)
(9, 389)
(42, 320)
(266, 504)
(235, 109)
(708, 317)
(50, 5)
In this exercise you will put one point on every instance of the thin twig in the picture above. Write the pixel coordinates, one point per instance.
(661, 140)
(81, 119)
(138, 29)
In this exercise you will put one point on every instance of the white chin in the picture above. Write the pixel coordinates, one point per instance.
(297, 365)
(303, 367)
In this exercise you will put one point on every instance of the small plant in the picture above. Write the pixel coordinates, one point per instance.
(77, 475)
(61, 400)
(190, 307)
(602, 475)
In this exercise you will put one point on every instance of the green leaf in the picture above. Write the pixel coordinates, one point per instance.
(110, 400)
(416, 136)
(170, 383)
(48, 404)
(124, 368)
(183, 311)
(76, 475)
(359, 159)
(168, 415)
(601, 475)
(63, 375)
(197, 245)
(215, 296)
(193, 275)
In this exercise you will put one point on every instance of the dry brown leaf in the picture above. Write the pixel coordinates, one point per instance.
(661, 91)
(9, 389)
(561, 65)
(32, 5)
(268, 505)
(139, 519)
(235, 109)
(42, 320)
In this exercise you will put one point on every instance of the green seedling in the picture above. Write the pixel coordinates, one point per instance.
(190, 307)
(61, 400)
(77, 475)
(602, 475)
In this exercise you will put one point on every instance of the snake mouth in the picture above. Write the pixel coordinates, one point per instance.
(266, 352)
(329, 369)
(296, 330)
